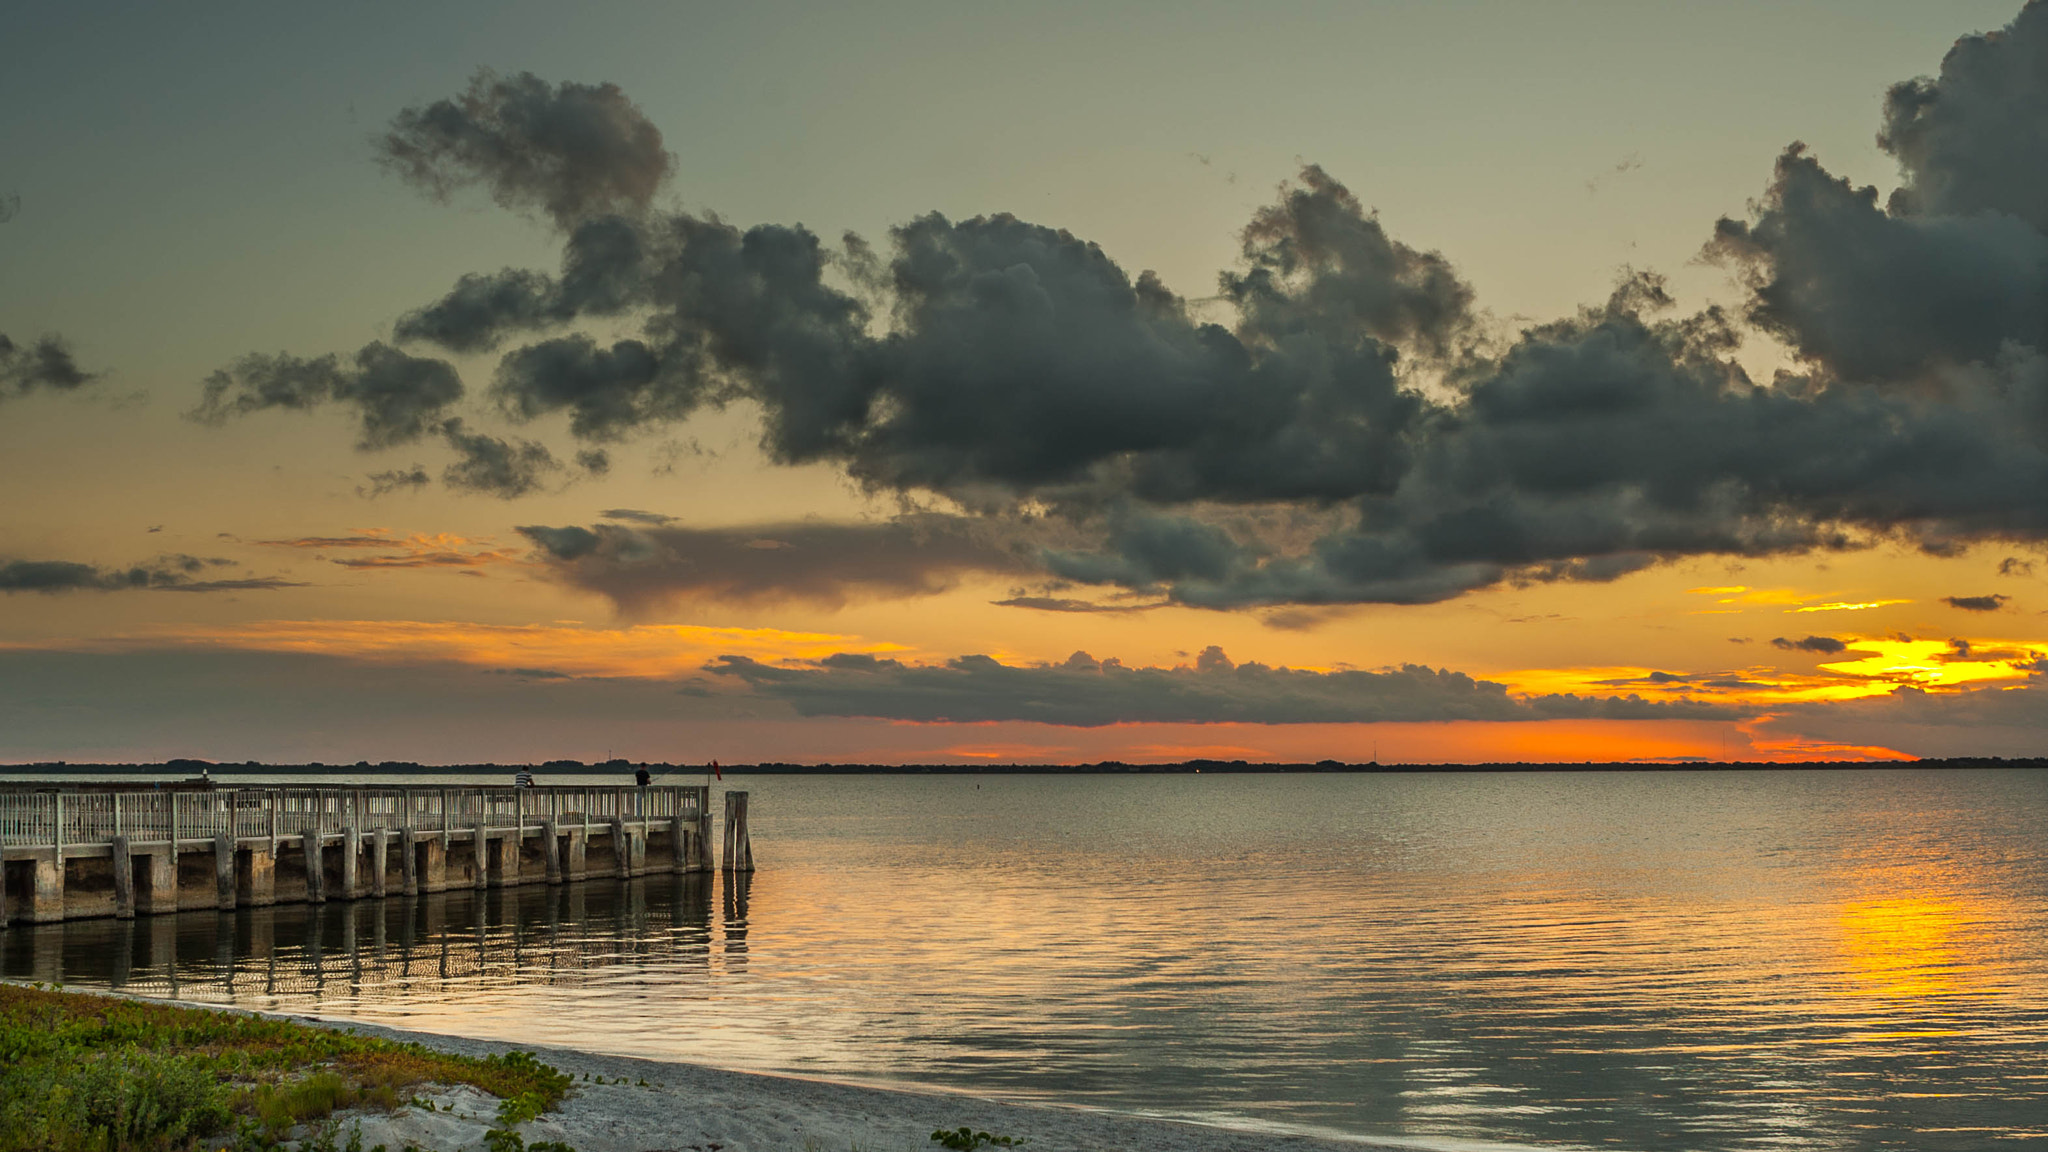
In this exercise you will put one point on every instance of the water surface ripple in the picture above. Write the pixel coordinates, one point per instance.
(1782, 960)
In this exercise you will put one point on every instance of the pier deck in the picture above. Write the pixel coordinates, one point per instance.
(70, 852)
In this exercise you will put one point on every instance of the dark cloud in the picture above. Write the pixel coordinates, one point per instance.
(2014, 566)
(1338, 424)
(1824, 645)
(1085, 692)
(46, 365)
(176, 573)
(1975, 139)
(636, 516)
(493, 466)
(398, 398)
(1067, 604)
(644, 568)
(605, 263)
(1877, 296)
(394, 480)
(1975, 603)
(571, 150)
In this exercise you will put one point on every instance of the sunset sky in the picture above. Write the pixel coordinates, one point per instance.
(1465, 381)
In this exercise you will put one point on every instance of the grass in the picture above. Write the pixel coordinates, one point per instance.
(83, 1073)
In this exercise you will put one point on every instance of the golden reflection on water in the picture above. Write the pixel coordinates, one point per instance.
(1696, 961)
(1908, 947)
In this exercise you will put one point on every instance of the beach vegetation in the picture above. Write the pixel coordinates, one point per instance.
(84, 1073)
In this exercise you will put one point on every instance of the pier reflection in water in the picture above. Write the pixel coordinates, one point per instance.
(1768, 961)
(398, 952)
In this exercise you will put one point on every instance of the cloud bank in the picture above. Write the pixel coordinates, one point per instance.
(176, 573)
(1338, 424)
(650, 566)
(1085, 692)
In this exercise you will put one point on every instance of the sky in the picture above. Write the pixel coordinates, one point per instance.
(917, 382)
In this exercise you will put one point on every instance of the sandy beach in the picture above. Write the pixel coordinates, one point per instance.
(693, 1108)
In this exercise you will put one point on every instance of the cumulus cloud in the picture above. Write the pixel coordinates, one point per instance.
(397, 397)
(643, 568)
(569, 150)
(1975, 603)
(1086, 692)
(46, 366)
(1338, 423)
(496, 467)
(176, 573)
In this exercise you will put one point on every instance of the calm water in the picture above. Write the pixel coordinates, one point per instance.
(1667, 961)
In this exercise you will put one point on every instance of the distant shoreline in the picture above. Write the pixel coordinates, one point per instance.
(621, 770)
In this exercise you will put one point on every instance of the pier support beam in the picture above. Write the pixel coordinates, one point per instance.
(46, 894)
(504, 860)
(579, 844)
(316, 868)
(434, 864)
(224, 872)
(551, 847)
(161, 892)
(481, 876)
(679, 844)
(351, 863)
(702, 861)
(409, 862)
(739, 847)
(620, 852)
(124, 880)
(259, 886)
(380, 861)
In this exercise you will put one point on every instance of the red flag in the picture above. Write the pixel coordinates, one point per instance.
(716, 772)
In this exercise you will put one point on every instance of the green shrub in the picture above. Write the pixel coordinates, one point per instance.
(100, 1074)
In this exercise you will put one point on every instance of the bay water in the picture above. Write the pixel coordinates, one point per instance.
(1670, 960)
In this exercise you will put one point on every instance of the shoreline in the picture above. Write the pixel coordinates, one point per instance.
(701, 1108)
(650, 1105)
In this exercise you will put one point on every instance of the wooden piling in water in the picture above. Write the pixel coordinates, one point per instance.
(223, 872)
(408, 861)
(551, 845)
(483, 856)
(351, 863)
(124, 880)
(739, 845)
(380, 860)
(316, 872)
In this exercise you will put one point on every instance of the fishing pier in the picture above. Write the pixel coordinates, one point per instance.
(76, 851)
